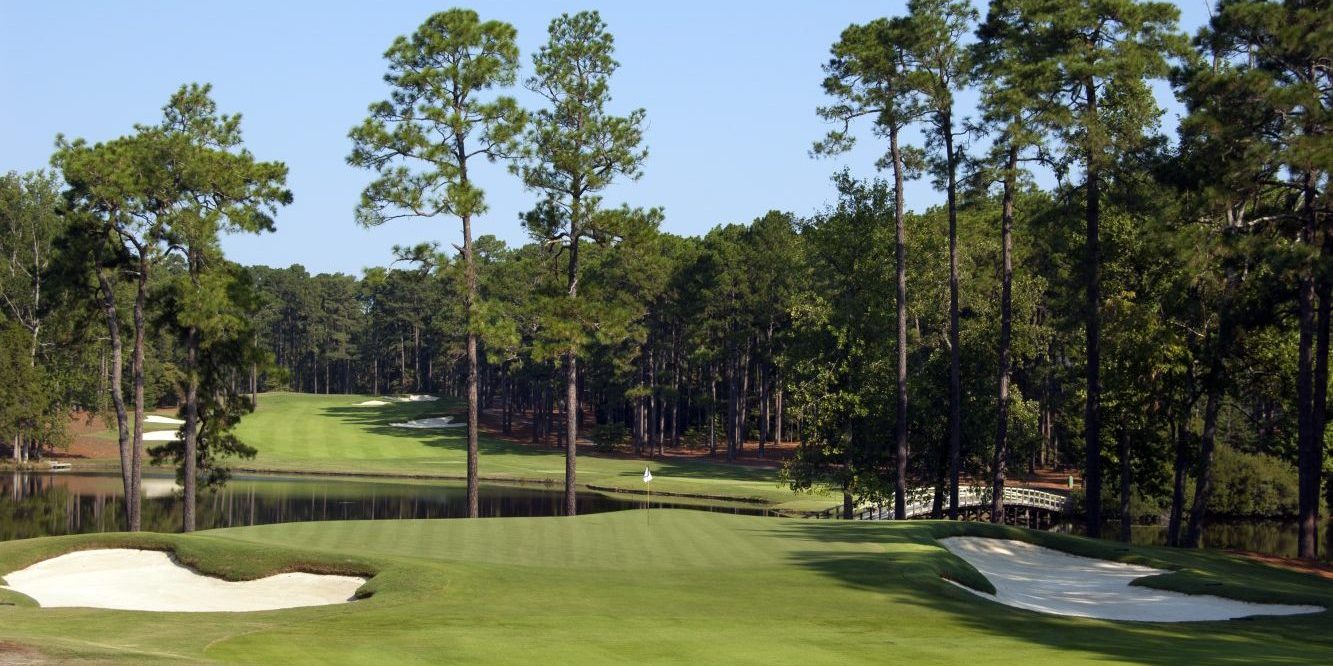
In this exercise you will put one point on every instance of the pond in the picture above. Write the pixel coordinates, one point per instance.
(46, 504)
(1273, 537)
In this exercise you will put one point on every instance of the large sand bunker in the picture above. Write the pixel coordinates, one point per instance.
(155, 418)
(436, 422)
(161, 436)
(149, 580)
(1049, 581)
(371, 403)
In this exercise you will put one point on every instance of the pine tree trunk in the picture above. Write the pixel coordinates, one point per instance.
(117, 392)
(1203, 484)
(712, 416)
(1126, 481)
(190, 436)
(572, 372)
(134, 499)
(1310, 443)
(1006, 322)
(900, 261)
(473, 410)
(955, 352)
(1092, 413)
(1178, 482)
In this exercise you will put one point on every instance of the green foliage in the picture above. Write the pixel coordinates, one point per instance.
(1252, 485)
(419, 140)
(609, 437)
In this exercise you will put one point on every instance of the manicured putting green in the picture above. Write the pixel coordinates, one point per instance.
(670, 587)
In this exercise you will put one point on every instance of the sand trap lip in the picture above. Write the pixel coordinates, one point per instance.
(149, 580)
(372, 403)
(436, 422)
(1049, 581)
(155, 418)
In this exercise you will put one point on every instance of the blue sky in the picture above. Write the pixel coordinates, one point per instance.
(730, 90)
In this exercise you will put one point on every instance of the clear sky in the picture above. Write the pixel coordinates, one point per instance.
(730, 90)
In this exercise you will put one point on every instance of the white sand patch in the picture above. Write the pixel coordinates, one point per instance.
(155, 418)
(372, 403)
(436, 422)
(412, 398)
(160, 436)
(147, 580)
(1049, 581)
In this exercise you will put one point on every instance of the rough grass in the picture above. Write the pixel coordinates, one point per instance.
(665, 587)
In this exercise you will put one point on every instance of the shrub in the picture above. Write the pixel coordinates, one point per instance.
(607, 437)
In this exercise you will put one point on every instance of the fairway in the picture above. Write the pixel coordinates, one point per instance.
(296, 432)
(673, 587)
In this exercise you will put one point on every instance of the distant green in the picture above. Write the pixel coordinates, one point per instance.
(302, 432)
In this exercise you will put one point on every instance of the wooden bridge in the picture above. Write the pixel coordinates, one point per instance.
(1022, 506)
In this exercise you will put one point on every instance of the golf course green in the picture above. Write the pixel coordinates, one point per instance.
(334, 434)
(667, 587)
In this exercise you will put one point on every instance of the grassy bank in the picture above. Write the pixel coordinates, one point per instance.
(673, 587)
(331, 434)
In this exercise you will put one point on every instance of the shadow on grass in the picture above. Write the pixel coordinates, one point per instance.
(904, 562)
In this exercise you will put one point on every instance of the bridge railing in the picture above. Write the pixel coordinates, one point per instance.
(920, 502)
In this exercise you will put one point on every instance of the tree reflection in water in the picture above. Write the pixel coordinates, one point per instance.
(45, 504)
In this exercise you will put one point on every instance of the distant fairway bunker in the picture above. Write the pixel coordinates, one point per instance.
(1049, 581)
(430, 423)
(151, 580)
(413, 398)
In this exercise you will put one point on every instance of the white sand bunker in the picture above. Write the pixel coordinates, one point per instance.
(436, 422)
(161, 436)
(154, 418)
(148, 580)
(414, 398)
(372, 403)
(1049, 581)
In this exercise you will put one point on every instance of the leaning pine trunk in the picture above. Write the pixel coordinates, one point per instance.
(117, 392)
(137, 374)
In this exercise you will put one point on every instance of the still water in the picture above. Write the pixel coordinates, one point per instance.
(45, 504)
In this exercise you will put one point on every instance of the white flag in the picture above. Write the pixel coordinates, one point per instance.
(647, 476)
